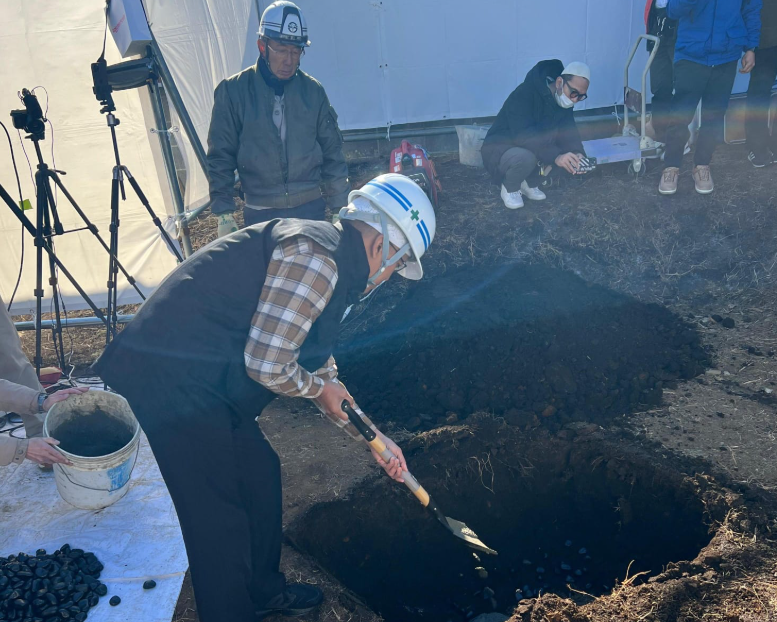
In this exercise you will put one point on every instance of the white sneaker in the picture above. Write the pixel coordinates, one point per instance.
(533, 194)
(512, 200)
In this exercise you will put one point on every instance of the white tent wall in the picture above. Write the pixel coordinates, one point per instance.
(395, 62)
(52, 43)
(202, 42)
(400, 61)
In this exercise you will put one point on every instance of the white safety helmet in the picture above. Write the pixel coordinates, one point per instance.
(283, 21)
(400, 202)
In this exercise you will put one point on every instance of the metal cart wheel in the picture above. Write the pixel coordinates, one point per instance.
(638, 168)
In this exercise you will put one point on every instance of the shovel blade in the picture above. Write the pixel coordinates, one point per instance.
(460, 530)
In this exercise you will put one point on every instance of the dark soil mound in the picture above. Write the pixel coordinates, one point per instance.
(521, 342)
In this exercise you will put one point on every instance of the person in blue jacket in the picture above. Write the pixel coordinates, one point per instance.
(712, 36)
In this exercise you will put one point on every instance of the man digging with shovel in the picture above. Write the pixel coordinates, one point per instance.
(253, 315)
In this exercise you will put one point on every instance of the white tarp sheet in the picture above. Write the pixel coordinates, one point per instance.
(52, 43)
(137, 538)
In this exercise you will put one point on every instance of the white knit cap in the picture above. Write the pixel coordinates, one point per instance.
(396, 237)
(577, 68)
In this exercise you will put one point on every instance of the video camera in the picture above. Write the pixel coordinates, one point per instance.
(30, 119)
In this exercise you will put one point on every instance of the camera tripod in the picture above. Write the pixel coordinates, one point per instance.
(117, 186)
(102, 90)
(48, 225)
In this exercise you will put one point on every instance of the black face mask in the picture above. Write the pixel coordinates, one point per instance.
(271, 79)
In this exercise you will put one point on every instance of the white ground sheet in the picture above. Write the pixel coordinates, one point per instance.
(137, 538)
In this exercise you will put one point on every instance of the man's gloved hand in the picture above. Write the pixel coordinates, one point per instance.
(227, 224)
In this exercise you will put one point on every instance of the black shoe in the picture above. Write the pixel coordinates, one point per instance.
(759, 160)
(297, 600)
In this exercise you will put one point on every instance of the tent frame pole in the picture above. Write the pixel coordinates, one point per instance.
(163, 131)
(174, 97)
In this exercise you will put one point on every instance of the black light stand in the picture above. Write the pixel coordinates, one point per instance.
(31, 121)
(102, 90)
(43, 242)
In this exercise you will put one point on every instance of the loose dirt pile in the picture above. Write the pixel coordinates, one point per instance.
(523, 342)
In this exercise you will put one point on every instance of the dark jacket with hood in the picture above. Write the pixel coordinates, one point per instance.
(531, 119)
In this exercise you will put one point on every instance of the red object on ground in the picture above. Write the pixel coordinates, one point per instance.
(409, 159)
(50, 375)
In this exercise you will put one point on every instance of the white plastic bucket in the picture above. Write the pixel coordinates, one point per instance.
(94, 483)
(471, 138)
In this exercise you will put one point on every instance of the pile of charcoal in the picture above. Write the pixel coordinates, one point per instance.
(61, 586)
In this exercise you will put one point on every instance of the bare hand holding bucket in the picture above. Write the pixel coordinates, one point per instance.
(42, 451)
(62, 395)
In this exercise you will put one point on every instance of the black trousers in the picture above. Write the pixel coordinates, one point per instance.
(225, 480)
(313, 210)
(711, 85)
(758, 98)
(662, 87)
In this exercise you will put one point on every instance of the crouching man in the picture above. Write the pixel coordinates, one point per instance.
(535, 130)
(254, 315)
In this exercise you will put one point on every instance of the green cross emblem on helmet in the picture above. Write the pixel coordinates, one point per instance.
(413, 214)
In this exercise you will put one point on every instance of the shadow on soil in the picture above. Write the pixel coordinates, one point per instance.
(525, 342)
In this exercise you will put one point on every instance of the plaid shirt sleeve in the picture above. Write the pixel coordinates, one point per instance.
(301, 277)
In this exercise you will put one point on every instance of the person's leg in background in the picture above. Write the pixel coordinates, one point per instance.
(518, 166)
(313, 210)
(758, 101)
(714, 103)
(662, 88)
(690, 81)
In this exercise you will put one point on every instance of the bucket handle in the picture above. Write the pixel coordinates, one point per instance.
(64, 472)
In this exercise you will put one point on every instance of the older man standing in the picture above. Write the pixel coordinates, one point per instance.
(274, 125)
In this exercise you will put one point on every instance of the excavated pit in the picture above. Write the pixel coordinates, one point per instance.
(526, 342)
(569, 512)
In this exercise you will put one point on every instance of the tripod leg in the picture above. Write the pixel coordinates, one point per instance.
(91, 226)
(56, 329)
(112, 251)
(154, 218)
(42, 244)
(41, 207)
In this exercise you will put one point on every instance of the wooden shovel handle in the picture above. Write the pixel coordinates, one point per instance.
(374, 441)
